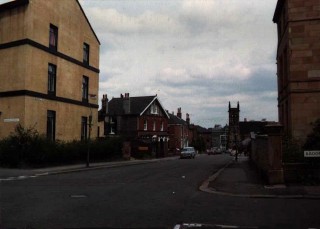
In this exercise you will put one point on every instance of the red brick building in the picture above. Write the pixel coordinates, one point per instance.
(298, 62)
(178, 130)
(141, 120)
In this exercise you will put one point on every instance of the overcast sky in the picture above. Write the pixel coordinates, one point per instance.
(197, 54)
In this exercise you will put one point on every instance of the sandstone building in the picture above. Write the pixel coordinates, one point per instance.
(49, 69)
(298, 61)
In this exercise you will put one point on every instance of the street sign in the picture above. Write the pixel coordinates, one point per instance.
(313, 153)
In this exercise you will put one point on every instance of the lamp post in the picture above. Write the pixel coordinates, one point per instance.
(92, 96)
(235, 142)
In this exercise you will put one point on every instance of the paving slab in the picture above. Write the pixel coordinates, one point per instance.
(240, 178)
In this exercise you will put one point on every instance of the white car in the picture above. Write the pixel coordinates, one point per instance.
(188, 152)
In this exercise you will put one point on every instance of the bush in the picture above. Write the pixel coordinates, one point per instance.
(292, 151)
(26, 148)
(313, 139)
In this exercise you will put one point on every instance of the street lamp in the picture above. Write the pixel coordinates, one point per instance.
(91, 96)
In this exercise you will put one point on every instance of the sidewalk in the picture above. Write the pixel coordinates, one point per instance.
(239, 178)
(16, 174)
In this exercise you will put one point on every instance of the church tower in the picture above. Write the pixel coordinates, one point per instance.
(234, 131)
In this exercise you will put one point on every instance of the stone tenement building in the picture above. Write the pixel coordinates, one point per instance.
(49, 69)
(298, 61)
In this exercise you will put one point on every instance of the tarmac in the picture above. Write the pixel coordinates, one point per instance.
(240, 179)
(236, 178)
(20, 174)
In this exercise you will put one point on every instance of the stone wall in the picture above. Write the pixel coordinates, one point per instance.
(266, 153)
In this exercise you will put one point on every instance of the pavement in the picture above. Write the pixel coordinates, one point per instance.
(19, 174)
(241, 179)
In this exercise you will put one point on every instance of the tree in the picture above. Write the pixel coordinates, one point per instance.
(313, 139)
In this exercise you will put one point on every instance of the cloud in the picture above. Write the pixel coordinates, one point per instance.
(195, 54)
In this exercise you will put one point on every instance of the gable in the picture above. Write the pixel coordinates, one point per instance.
(143, 105)
(72, 24)
(88, 22)
(155, 108)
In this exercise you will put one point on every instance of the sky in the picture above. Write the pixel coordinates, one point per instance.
(194, 54)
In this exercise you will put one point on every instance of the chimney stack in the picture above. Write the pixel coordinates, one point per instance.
(179, 114)
(188, 119)
(126, 103)
(104, 102)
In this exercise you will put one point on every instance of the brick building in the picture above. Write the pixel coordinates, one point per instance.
(178, 130)
(141, 120)
(298, 62)
(49, 67)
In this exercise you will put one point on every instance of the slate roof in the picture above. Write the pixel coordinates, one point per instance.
(137, 105)
(176, 120)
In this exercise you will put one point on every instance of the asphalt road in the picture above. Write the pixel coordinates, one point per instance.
(155, 195)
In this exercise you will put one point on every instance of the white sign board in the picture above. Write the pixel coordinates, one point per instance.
(11, 120)
(313, 153)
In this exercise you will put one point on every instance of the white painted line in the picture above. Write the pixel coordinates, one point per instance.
(227, 226)
(78, 196)
(42, 174)
(21, 177)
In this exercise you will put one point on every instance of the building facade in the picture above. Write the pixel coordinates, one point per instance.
(298, 65)
(178, 130)
(140, 120)
(219, 136)
(49, 69)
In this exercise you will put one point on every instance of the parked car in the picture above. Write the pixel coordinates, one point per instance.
(214, 150)
(211, 151)
(188, 152)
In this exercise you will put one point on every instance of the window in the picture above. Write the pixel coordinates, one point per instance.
(154, 109)
(112, 131)
(51, 125)
(84, 128)
(85, 88)
(52, 69)
(162, 126)
(86, 49)
(145, 125)
(53, 37)
(154, 125)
